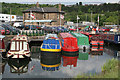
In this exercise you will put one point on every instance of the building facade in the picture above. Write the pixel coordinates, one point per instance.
(49, 16)
(7, 17)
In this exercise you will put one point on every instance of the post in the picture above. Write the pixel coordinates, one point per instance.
(98, 22)
(77, 23)
(60, 20)
(10, 16)
(91, 17)
(30, 19)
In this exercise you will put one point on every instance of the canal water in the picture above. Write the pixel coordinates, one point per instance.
(88, 62)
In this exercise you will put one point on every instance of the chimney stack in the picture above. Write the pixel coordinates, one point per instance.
(37, 4)
(59, 7)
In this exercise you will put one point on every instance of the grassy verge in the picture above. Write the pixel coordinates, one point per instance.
(110, 69)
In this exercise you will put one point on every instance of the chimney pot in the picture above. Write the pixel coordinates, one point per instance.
(59, 7)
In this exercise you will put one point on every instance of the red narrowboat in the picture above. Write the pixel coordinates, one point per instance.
(94, 39)
(2, 45)
(69, 44)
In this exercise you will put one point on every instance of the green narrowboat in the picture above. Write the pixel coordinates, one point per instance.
(82, 40)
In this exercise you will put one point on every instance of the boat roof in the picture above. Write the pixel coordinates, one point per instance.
(79, 35)
(20, 38)
(65, 35)
(51, 35)
(1, 36)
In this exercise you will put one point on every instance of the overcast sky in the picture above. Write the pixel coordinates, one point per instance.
(58, 1)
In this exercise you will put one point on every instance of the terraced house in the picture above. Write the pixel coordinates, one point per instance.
(49, 16)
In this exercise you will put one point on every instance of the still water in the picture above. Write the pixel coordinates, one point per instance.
(87, 62)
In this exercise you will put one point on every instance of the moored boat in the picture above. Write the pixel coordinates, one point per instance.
(82, 40)
(51, 53)
(69, 44)
(95, 40)
(2, 45)
(19, 47)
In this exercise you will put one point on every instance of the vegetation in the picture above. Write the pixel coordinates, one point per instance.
(109, 70)
(108, 13)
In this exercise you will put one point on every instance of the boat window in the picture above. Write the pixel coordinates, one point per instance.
(17, 46)
(20, 45)
(13, 45)
(25, 45)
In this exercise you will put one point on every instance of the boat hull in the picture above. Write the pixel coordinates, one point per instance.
(70, 53)
(18, 55)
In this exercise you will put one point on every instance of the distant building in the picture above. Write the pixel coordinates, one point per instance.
(49, 16)
(7, 17)
(85, 23)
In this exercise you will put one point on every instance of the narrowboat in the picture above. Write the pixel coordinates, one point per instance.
(95, 40)
(18, 66)
(83, 55)
(69, 44)
(82, 40)
(2, 45)
(19, 47)
(71, 61)
(112, 38)
(51, 53)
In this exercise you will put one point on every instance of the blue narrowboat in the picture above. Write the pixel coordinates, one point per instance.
(51, 53)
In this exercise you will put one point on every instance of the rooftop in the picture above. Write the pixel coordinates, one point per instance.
(44, 9)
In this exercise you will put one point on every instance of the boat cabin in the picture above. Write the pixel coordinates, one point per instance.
(19, 47)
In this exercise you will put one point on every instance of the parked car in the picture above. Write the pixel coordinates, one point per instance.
(38, 27)
(104, 29)
(32, 27)
(72, 28)
(21, 27)
(3, 31)
(11, 28)
(65, 29)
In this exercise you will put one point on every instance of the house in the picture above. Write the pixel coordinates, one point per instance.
(49, 16)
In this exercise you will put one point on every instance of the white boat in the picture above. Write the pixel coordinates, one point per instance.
(19, 47)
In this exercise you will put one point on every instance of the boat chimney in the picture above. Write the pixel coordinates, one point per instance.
(59, 7)
(37, 4)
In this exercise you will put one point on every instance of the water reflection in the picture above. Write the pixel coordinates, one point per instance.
(2, 66)
(18, 66)
(83, 55)
(110, 50)
(67, 60)
(86, 62)
(96, 51)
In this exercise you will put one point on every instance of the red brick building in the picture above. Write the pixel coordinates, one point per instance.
(49, 16)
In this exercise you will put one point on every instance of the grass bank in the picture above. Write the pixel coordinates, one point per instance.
(110, 69)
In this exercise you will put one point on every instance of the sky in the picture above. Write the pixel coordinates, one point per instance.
(60, 1)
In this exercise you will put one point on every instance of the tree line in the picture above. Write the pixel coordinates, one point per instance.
(108, 13)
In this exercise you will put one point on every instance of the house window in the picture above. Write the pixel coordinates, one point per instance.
(57, 16)
(44, 16)
(29, 15)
